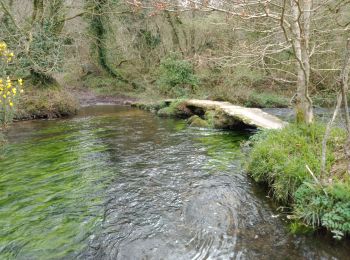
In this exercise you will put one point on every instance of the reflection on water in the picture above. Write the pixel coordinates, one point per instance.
(119, 183)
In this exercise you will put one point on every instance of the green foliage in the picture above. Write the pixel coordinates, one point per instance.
(176, 76)
(328, 207)
(279, 157)
(297, 227)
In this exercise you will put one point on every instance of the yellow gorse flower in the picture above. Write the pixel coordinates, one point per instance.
(9, 88)
(5, 53)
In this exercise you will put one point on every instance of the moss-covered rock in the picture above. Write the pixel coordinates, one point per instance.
(177, 108)
(209, 116)
(152, 107)
(196, 121)
(218, 119)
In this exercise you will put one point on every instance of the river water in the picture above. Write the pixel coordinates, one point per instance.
(120, 183)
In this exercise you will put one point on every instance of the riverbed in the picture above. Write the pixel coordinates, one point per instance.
(120, 183)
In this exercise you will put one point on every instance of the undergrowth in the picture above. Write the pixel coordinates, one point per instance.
(279, 158)
(46, 103)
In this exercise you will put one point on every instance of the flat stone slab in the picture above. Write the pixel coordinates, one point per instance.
(250, 116)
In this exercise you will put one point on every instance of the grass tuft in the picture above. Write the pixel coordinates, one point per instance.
(279, 158)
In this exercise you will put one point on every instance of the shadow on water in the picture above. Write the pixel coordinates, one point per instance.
(119, 183)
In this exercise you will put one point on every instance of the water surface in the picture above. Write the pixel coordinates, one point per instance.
(120, 183)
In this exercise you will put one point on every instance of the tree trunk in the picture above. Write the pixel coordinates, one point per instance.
(98, 27)
(345, 89)
(300, 39)
(344, 85)
(175, 35)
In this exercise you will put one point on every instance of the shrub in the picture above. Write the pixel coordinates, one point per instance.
(9, 88)
(176, 76)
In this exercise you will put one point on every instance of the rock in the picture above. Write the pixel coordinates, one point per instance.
(218, 119)
(196, 121)
(165, 112)
(176, 109)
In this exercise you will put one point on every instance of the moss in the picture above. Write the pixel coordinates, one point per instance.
(176, 108)
(152, 107)
(196, 121)
(210, 117)
(220, 120)
(46, 103)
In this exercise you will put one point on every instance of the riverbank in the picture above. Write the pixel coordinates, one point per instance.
(45, 103)
(57, 102)
(288, 161)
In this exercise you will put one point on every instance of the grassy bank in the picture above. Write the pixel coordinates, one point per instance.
(279, 159)
(46, 103)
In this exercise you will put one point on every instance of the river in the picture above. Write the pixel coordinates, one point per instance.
(120, 183)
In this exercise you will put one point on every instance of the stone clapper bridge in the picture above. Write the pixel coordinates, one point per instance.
(220, 114)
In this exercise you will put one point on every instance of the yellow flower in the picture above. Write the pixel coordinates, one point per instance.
(11, 104)
(3, 46)
(14, 91)
(20, 82)
(4, 96)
